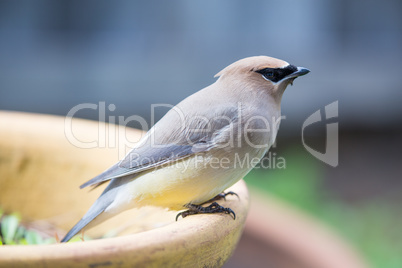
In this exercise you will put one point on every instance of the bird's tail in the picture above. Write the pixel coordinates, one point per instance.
(95, 214)
(89, 217)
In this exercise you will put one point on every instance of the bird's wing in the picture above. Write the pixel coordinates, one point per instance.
(142, 159)
(165, 149)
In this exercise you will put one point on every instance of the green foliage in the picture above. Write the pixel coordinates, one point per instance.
(9, 227)
(298, 183)
(372, 227)
(12, 233)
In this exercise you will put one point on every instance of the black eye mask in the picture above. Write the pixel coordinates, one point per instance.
(277, 74)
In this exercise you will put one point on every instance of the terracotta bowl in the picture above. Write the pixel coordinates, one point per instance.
(44, 159)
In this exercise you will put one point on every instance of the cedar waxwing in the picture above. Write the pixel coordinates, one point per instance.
(202, 146)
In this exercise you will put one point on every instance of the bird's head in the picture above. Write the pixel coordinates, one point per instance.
(262, 72)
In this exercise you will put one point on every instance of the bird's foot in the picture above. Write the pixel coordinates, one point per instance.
(198, 209)
(222, 196)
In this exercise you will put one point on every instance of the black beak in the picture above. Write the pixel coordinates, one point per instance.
(300, 71)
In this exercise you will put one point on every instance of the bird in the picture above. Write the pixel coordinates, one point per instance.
(200, 147)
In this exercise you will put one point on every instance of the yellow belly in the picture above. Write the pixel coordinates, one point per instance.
(192, 180)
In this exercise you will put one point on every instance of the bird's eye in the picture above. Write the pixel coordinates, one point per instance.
(269, 74)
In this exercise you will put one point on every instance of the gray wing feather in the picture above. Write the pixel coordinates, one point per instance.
(181, 143)
(113, 172)
(142, 159)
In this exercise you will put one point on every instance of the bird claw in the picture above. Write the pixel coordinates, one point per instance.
(230, 212)
(184, 214)
(229, 193)
(213, 208)
(198, 209)
(223, 196)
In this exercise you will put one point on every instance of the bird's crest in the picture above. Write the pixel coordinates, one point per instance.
(252, 64)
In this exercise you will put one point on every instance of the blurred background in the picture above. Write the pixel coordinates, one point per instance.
(55, 55)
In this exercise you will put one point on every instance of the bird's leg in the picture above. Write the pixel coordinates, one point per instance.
(221, 196)
(82, 235)
(198, 209)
